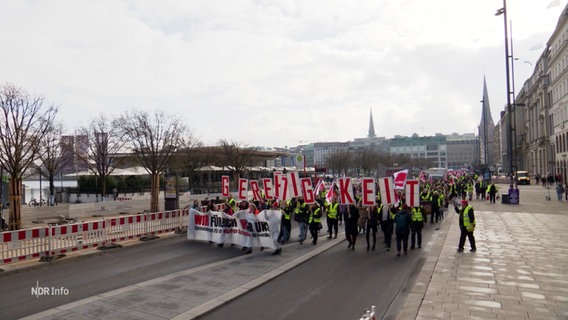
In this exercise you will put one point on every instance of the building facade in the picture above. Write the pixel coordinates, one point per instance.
(555, 80)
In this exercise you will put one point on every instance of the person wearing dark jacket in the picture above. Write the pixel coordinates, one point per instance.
(467, 225)
(387, 225)
(402, 220)
(351, 227)
(373, 223)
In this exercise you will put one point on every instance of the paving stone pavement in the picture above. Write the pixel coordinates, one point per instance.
(520, 269)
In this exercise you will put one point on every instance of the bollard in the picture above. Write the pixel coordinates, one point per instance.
(372, 316)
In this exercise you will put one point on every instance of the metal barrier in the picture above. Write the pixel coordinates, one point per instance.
(76, 236)
(51, 241)
(23, 245)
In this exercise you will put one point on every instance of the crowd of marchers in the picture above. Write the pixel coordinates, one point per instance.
(399, 221)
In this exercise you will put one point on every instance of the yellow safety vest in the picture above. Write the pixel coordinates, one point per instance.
(469, 225)
(332, 212)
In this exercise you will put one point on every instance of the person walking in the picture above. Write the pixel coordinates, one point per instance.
(387, 225)
(467, 225)
(372, 224)
(315, 221)
(286, 222)
(301, 215)
(416, 227)
(435, 205)
(402, 221)
(492, 192)
(332, 217)
(559, 191)
(351, 230)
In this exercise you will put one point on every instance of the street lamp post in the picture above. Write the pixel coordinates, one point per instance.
(503, 11)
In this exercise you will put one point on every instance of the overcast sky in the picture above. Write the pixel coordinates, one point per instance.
(274, 73)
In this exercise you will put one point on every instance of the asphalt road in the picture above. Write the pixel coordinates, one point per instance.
(100, 272)
(338, 284)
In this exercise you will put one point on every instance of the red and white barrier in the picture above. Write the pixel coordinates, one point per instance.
(47, 242)
(23, 245)
(77, 236)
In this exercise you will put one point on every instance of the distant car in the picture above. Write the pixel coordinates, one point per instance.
(523, 177)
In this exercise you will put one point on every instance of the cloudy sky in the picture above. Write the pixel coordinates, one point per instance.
(274, 72)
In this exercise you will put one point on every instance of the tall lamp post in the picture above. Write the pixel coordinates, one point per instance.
(503, 11)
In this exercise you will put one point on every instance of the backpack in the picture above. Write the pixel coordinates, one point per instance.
(401, 220)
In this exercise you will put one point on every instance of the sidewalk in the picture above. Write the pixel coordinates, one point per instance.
(520, 269)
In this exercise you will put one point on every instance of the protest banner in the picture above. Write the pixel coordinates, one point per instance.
(242, 228)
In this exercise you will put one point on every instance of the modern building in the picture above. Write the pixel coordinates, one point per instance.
(432, 151)
(463, 150)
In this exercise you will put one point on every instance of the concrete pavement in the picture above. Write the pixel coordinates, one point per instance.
(520, 271)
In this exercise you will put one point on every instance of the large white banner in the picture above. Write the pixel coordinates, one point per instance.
(242, 228)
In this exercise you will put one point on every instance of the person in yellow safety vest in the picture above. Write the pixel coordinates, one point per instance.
(286, 222)
(492, 192)
(469, 190)
(467, 225)
(442, 205)
(416, 227)
(315, 221)
(332, 217)
(231, 202)
(301, 215)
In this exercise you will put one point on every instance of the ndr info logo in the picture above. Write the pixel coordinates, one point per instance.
(49, 291)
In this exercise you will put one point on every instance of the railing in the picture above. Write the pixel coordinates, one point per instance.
(52, 241)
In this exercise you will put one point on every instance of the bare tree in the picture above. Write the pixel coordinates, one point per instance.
(154, 139)
(188, 159)
(52, 158)
(25, 120)
(367, 161)
(235, 157)
(103, 141)
(339, 161)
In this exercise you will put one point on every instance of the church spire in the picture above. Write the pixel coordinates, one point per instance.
(371, 125)
(486, 126)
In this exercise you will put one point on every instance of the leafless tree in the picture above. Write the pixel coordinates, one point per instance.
(235, 157)
(188, 158)
(367, 161)
(103, 141)
(25, 120)
(153, 139)
(52, 158)
(339, 161)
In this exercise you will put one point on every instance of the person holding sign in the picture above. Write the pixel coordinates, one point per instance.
(373, 217)
(351, 228)
(301, 215)
(402, 220)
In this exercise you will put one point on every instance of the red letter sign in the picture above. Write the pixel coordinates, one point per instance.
(225, 186)
(346, 191)
(307, 190)
(412, 194)
(368, 189)
(243, 185)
